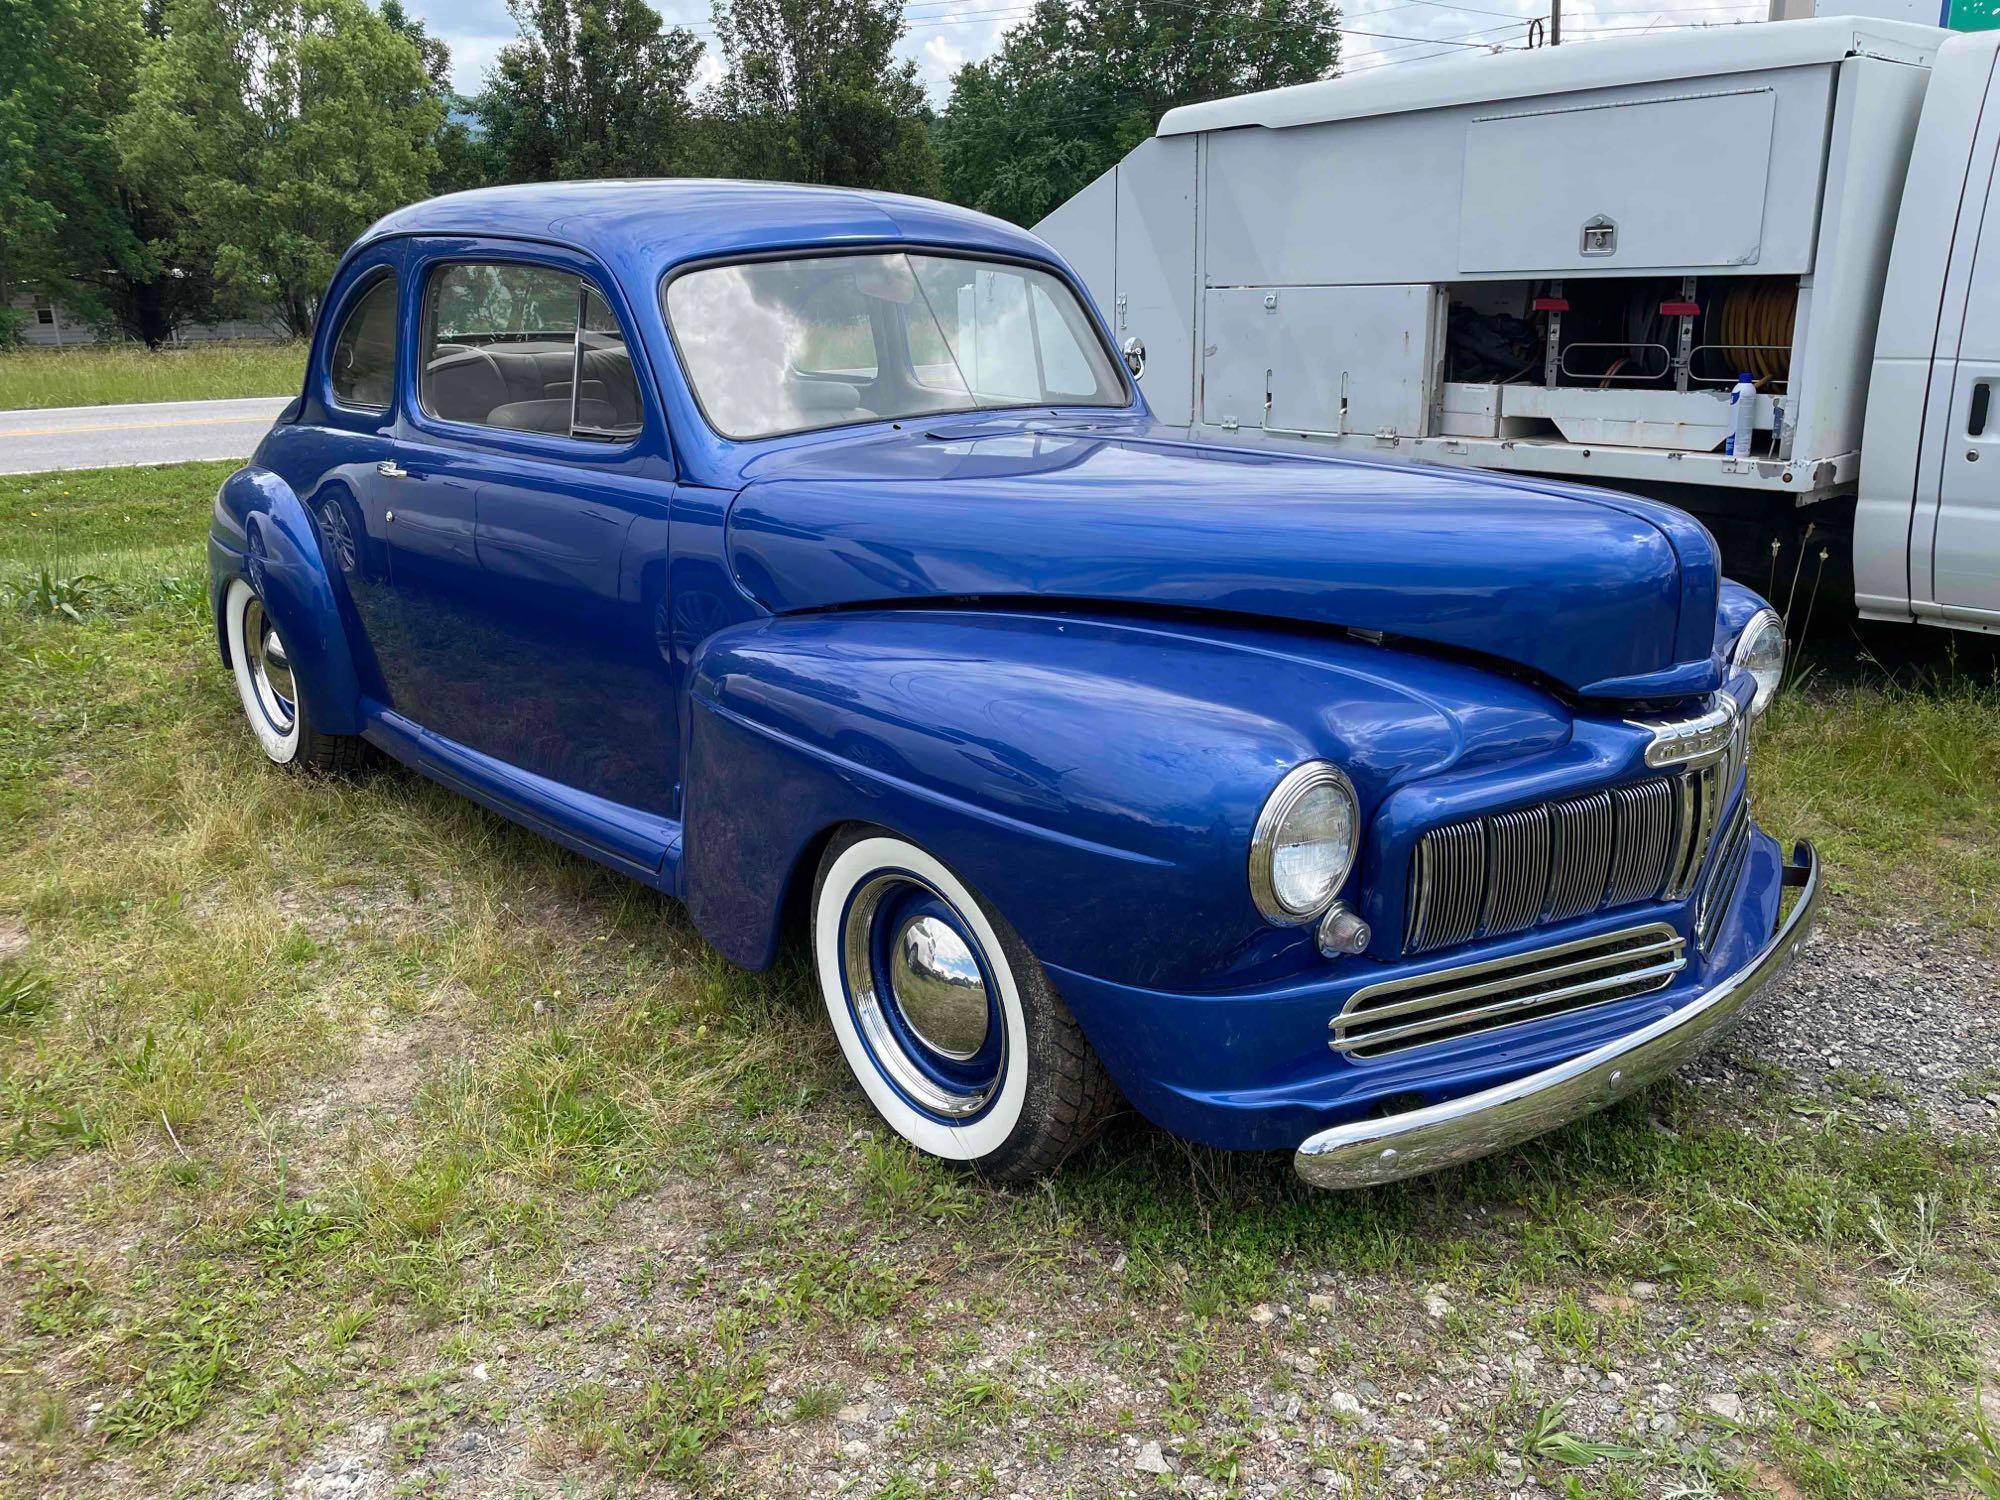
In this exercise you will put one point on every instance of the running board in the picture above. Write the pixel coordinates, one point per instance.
(630, 840)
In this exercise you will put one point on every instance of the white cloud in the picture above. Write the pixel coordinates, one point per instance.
(471, 56)
(941, 57)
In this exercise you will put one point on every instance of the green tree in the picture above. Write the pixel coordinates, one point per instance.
(73, 224)
(1076, 86)
(284, 127)
(811, 93)
(464, 159)
(594, 88)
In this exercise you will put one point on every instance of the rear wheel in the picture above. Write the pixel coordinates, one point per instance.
(272, 701)
(946, 1019)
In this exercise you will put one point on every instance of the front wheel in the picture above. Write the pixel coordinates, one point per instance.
(277, 710)
(948, 1022)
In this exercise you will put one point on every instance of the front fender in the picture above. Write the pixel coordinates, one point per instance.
(260, 531)
(1095, 778)
(1735, 606)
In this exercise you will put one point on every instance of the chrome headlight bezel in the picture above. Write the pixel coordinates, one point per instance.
(1765, 626)
(1268, 836)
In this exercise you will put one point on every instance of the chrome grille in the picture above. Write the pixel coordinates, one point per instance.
(1519, 842)
(1505, 872)
(1645, 842)
(1477, 997)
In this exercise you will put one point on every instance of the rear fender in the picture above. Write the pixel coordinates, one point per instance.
(262, 532)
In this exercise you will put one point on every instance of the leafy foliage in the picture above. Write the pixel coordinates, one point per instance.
(285, 127)
(593, 88)
(1076, 86)
(464, 160)
(74, 223)
(813, 94)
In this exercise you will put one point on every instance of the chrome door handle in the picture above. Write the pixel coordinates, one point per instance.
(390, 469)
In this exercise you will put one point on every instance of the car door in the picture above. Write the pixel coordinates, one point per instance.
(403, 557)
(527, 401)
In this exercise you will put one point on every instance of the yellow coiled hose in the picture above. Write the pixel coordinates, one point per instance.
(1754, 314)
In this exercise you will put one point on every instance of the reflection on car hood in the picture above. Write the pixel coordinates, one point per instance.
(1608, 596)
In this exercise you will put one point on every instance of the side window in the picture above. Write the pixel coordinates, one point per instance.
(528, 349)
(362, 367)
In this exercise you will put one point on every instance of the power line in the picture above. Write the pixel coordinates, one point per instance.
(1472, 9)
(1467, 36)
(1495, 42)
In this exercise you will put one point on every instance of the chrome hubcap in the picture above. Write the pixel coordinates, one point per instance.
(921, 998)
(270, 668)
(939, 988)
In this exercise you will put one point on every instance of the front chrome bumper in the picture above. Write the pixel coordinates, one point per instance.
(1365, 1153)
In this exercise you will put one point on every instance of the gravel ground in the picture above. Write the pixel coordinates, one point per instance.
(1899, 1022)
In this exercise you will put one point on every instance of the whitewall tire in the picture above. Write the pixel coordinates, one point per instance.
(269, 689)
(945, 1018)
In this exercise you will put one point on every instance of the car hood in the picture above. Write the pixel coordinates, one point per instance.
(1606, 596)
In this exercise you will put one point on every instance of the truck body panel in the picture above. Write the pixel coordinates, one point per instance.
(1561, 263)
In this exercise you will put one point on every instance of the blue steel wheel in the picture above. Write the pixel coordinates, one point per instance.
(948, 1023)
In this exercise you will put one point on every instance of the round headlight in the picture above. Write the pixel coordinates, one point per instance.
(1760, 651)
(1304, 844)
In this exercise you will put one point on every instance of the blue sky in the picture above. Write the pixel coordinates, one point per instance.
(945, 33)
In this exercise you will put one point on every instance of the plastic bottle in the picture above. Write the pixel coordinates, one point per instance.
(1742, 416)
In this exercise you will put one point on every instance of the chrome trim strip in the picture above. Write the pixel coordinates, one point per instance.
(1731, 854)
(1525, 968)
(1686, 862)
(1365, 1153)
(1390, 1036)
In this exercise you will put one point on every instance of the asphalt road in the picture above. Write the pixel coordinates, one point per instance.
(152, 432)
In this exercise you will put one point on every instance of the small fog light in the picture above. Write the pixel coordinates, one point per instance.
(1342, 932)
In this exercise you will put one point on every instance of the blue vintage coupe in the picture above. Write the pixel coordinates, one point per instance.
(811, 556)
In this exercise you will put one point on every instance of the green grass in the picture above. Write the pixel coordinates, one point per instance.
(319, 1096)
(133, 516)
(1895, 776)
(103, 375)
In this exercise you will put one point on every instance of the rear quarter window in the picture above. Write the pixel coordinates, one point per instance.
(361, 370)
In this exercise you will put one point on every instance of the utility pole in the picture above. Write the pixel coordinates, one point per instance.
(1555, 23)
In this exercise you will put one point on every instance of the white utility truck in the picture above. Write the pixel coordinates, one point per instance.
(1565, 261)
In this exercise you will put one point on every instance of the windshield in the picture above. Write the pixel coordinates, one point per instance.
(777, 346)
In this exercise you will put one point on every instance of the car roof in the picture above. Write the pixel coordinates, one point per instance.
(666, 221)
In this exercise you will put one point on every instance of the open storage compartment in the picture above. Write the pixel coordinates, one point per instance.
(1639, 362)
